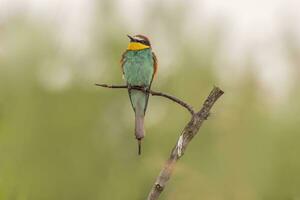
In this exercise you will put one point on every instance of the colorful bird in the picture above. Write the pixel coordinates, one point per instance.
(139, 65)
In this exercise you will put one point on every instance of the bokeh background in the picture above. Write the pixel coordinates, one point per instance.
(63, 138)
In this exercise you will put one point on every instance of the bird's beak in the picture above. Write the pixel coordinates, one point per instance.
(131, 38)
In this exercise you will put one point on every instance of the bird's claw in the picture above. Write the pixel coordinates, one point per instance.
(141, 88)
(144, 89)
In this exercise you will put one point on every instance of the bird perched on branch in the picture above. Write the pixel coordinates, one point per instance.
(139, 65)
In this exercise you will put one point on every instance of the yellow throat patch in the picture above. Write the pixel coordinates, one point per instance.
(135, 46)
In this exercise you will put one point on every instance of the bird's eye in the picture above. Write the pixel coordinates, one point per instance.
(144, 42)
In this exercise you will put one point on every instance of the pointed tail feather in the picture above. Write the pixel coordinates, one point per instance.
(139, 147)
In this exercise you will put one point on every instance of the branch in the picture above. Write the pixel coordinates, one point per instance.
(188, 133)
(153, 93)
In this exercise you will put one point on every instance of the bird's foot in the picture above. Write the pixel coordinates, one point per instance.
(129, 87)
(145, 89)
(142, 88)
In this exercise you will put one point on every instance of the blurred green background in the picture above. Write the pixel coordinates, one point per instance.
(63, 138)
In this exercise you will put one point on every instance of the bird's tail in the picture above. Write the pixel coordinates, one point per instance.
(139, 130)
(139, 101)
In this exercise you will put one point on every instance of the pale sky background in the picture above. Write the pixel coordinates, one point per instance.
(254, 26)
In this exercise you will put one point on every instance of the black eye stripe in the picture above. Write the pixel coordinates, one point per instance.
(143, 42)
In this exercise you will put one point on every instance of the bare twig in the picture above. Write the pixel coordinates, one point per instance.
(153, 93)
(186, 136)
(188, 133)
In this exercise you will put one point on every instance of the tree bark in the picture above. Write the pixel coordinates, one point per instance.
(188, 133)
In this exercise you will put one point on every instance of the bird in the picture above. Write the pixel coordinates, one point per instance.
(139, 66)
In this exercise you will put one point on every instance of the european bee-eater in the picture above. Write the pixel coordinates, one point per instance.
(139, 65)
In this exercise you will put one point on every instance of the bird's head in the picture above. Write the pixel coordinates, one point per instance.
(138, 42)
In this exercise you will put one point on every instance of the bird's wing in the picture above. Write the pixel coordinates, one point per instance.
(155, 65)
(122, 61)
(154, 72)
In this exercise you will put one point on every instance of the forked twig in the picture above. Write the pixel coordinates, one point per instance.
(188, 133)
